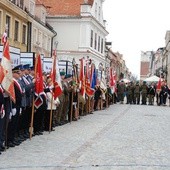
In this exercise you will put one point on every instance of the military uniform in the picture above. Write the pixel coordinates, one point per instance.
(151, 94)
(120, 91)
(137, 90)
(144, 90)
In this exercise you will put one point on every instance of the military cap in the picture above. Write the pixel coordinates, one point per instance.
(16, 69)
(26, 66)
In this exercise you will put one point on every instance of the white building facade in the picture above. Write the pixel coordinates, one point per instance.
(81, 35)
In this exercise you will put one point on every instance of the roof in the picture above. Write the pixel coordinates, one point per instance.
(64, 7)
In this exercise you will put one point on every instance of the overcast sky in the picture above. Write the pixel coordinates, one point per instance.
(135, 26)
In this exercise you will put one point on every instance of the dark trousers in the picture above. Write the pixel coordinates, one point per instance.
(47, 120)
(38, 120)
(13, 125)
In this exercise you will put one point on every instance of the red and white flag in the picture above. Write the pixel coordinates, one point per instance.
(4, 38)
(55, 76)
(7, 82)
(39, 86)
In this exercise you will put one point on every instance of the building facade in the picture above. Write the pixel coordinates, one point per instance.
(80, 30)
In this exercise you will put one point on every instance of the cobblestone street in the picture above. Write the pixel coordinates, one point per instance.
(123, 137)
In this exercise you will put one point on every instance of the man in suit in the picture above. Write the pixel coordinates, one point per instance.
(16, 108)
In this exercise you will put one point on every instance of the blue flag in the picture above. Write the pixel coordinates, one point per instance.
(94, 76)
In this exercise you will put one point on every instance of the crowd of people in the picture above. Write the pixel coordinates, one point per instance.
(15, 118)
(143, 93)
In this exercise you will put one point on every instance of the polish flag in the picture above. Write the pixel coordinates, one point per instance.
(7, 82)
(55, 76)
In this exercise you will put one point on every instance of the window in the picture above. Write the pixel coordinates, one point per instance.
(31, 7)
(102, 46)
(99, 14)
(16, 31)
(91, 41)
(13, 1)
(95, 42)
(43, 16)
(99, 43)
(22, 4)
(8, 22)
(24, 34)
(45, 42)
(96, 10)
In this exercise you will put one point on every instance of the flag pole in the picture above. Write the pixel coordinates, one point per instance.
(33, 109)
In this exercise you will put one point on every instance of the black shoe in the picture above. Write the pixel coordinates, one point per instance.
(21, 139)
(2, 149)
(16, 143)
(10, 144)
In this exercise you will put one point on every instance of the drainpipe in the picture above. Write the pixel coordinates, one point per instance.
(52, 42)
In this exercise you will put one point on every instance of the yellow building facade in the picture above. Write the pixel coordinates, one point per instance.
(16, 20)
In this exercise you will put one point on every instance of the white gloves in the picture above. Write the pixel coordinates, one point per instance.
(14, 111)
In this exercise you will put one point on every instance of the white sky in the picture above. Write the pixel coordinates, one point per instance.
(135, 26)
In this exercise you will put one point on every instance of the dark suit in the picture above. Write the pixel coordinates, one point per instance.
(13, 124)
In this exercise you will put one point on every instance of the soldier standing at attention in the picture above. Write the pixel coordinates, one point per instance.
(137, 93)
(151, 93)
(144, 90)
(129, 93)
(121, 90)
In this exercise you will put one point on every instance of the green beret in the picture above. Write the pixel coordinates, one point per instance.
(62, 73)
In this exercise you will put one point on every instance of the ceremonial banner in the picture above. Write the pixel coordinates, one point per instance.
(7, 81)
(39, 89)
(55, 76)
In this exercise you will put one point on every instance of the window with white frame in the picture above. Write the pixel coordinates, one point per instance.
(16, 31)
(31, 7)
